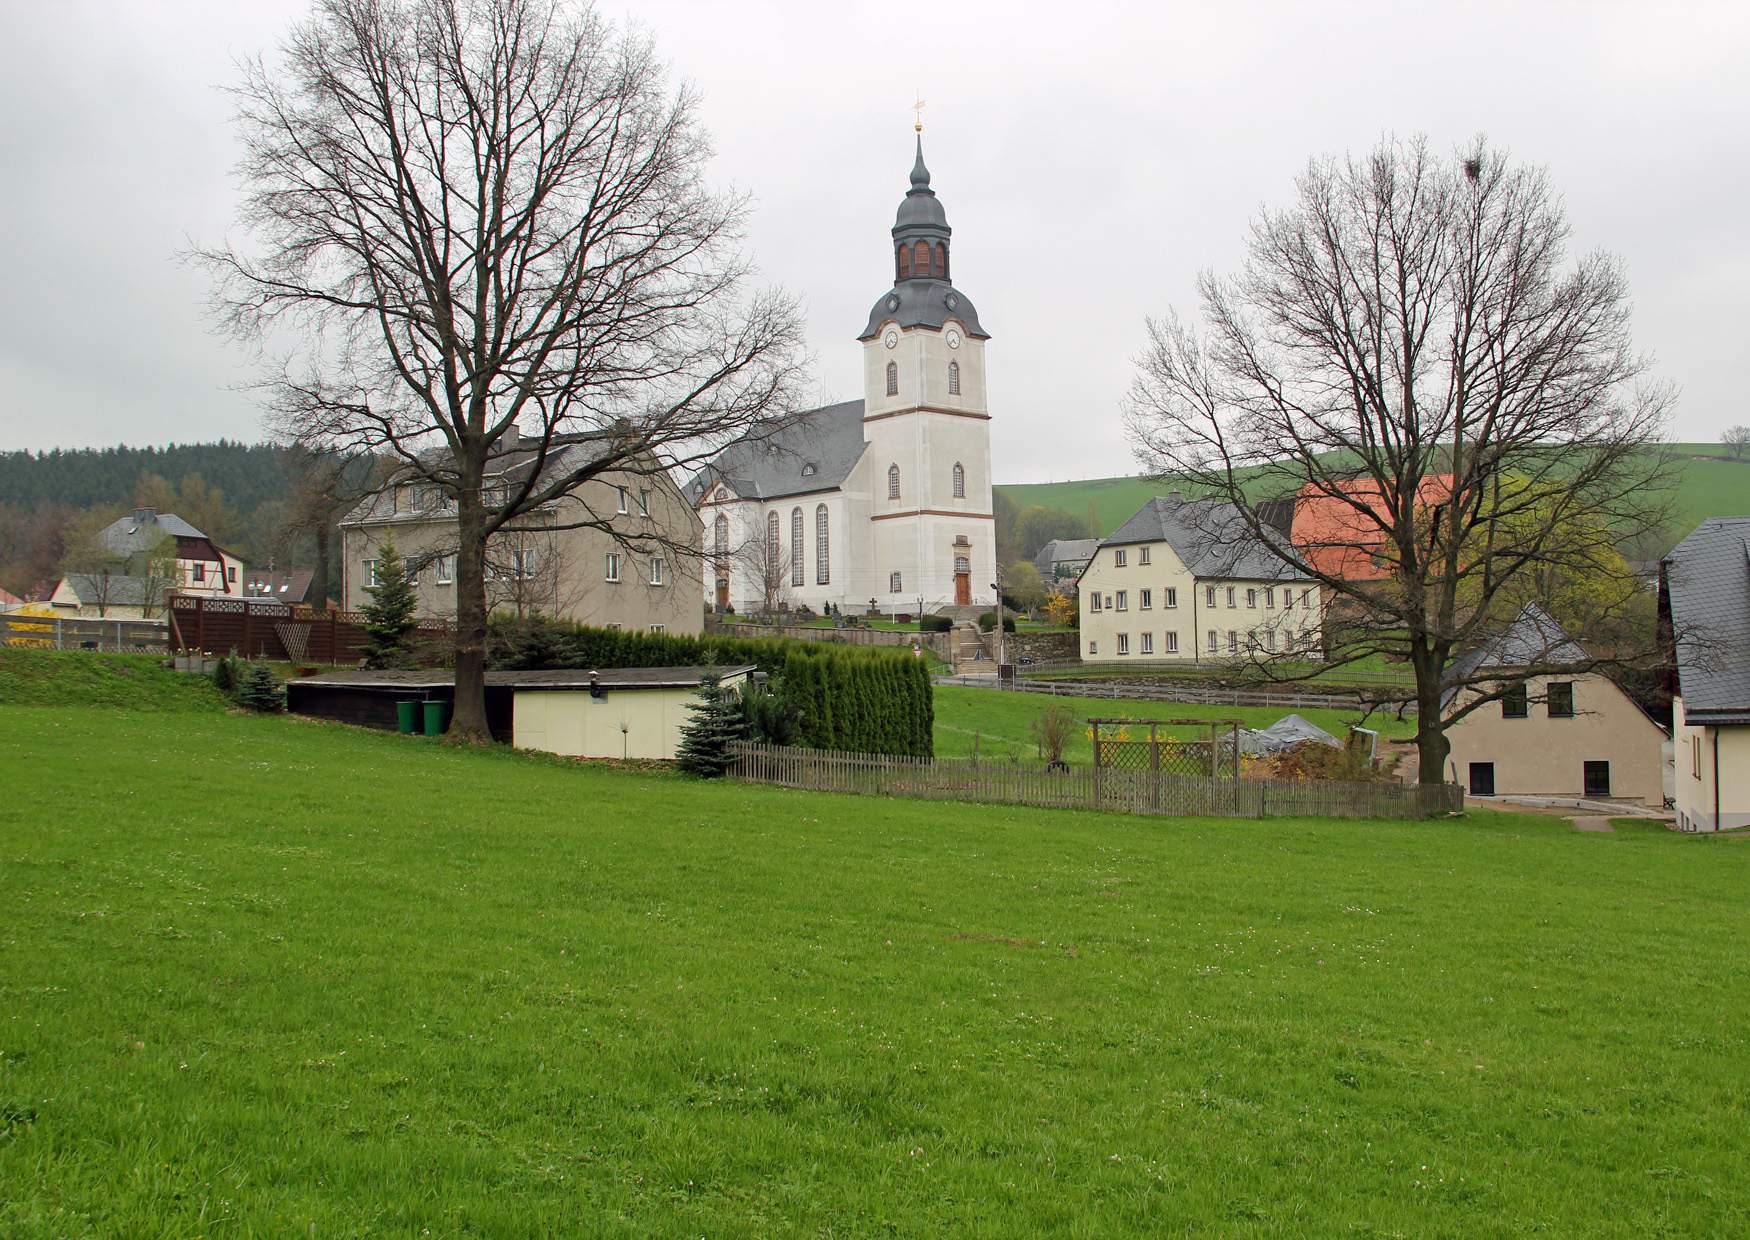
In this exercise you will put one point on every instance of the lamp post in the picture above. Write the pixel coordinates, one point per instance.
(997, 585)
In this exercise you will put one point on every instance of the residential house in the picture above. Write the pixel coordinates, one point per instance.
(1704, 598)
(1336, 527)
(1063, 559)
(9, 600)
(108, 596)
(1563, 734)
(202, 566)
(585, 574)
(288, 585)
(1184, 581)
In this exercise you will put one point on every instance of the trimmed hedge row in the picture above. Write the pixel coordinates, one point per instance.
(868, 699)
(846, 699)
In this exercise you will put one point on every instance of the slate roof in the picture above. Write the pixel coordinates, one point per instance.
(510, 466)
(124, 535)
(1209, 535)
(814, 451)
(547, 678)
(118, 591)
(1533, 637)
(1708, 577)
(1065, 550)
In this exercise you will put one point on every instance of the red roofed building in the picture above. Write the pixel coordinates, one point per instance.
(1340, 527)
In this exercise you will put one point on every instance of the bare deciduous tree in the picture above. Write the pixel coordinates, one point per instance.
(1411, 343)
(488, 219)
(1736, 439)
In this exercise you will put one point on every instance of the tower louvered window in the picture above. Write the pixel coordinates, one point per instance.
(822, 557)
(795, 546)
(959, 480)
(893, 378)
(953, 378)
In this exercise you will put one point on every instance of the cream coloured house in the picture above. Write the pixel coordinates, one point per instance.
(885, 499)
(644, 574)
(1183, 582)
(1569, 734)
(1705, 591)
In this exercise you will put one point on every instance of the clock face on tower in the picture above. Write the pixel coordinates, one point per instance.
(892, 339)
(953, 339)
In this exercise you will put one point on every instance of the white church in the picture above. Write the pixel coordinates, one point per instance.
(884, 499)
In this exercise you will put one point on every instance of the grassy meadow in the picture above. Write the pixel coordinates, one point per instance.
(1713, 485)
(263, 976)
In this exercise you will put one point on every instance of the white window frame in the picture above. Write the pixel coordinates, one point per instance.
(623, 498)
(1124, 643)
(895, 582)
(1094, 601)
(656, 571)
(1145, 599)
(1214, 642)
(1233, 641)
(611, 567)
(1118, 558)
(1288, 600)
(1251, 600)
(1172, 597)
(1123, 600)
(1146, 644)
(1093, 647)
(371, 578)
(1172, 642)
(644, 501)
(1230, 596)
(1142, 555)
(444, 570)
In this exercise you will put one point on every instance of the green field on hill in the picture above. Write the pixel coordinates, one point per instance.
(263, 976)
(1713, 486)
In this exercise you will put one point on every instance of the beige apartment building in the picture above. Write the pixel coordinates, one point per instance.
(1564, 735)
(641, 572)
(1182, 581)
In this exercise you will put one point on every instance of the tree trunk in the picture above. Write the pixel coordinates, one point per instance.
(469, 721)
(1431, 743)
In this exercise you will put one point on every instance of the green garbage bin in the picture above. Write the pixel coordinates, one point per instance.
(437, 717)
(407, 716)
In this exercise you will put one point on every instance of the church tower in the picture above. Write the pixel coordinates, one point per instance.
(926, 422)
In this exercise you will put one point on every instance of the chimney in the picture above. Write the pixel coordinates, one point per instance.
(1176, 496)
(144, 516)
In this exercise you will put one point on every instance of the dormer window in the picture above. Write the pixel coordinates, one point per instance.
(808, 470)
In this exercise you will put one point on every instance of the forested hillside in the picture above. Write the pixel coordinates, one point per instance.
(245, 496)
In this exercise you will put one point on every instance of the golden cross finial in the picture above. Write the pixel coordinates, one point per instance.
(918, 109)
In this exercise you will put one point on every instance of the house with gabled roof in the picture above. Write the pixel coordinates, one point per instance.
(1560, 727)
(1186, 581)
(1339, 527)
(202, 566)
(619, 550)
(1704, 603)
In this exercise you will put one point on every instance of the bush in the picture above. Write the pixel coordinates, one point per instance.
(224, 680)
(988, 621)
(935, 624)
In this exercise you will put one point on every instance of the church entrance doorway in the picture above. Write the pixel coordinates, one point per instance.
(722, 593)
(962, 581)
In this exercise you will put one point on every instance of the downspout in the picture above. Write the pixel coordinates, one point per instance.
(1196, 637)
(1717, 824)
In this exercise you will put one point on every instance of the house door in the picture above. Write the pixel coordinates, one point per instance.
(722, 593)
(962, 581)
(1482, 779)
(1597, 779)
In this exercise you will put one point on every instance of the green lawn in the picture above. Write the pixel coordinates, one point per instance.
(1002, 719)
(270, 977)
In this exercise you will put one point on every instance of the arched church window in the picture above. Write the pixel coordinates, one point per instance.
(795, 546)
(893, 378)
(941, 261)
(959, 480)
(905, 262)
(920, 258)
(953, 378)
(822, 560)
(720, 541)
(893, 482)
(774, 548)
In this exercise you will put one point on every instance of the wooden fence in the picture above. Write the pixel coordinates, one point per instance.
(78, 633)
(1128, 792)
(1164, 691)
(265, 629)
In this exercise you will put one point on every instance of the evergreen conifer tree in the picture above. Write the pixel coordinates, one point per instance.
(259, 689)
(389, 616)
(716, 723)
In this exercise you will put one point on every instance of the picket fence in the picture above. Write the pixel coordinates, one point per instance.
(1163, 691)
(1005, 782)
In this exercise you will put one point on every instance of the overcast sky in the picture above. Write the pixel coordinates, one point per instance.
(1092, 159)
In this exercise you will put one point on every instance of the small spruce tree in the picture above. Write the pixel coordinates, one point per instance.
(259, 689)
(389, 616)
(716, 723)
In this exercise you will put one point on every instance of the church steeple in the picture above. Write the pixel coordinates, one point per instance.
(920, 230)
